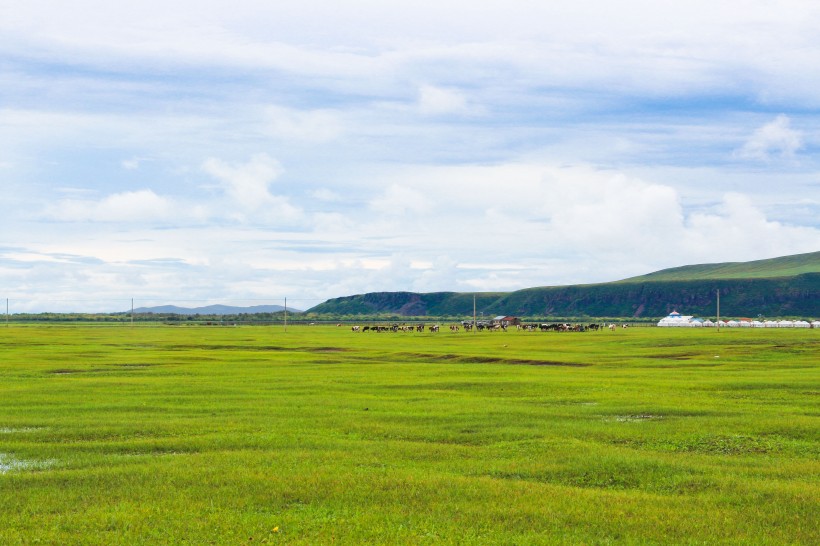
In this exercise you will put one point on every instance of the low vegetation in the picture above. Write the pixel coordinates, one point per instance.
(785, 266)
(787, 286)
(152, 434)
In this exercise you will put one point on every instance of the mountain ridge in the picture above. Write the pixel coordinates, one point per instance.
(784, 266)
(214, 310)
(783, 286)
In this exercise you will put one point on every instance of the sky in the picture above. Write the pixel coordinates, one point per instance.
(249, 151)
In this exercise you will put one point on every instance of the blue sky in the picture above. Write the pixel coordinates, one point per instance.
(242, 152)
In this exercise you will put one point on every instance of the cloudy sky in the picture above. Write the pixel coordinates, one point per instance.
(243, 152)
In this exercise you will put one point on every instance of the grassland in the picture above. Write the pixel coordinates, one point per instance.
(317, 435)
(785, 266)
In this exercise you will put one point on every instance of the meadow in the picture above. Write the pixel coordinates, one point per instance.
(154, 434)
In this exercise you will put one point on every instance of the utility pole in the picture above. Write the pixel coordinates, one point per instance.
(475, 324)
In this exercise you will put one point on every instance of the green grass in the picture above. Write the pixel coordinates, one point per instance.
(785, 266)
(317, 435)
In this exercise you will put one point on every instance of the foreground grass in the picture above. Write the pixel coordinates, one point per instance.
(198, 435)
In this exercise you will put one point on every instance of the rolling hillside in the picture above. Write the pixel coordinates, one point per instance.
(787, 286)
(787, 266)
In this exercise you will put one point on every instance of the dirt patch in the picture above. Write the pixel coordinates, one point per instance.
(229, 347)
(72, 371)
(325, 349)
(674, 356)
(449, 357)
(637, 418)
(545, 363)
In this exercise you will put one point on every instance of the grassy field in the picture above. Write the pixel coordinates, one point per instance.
(317, 435)
(785, 266)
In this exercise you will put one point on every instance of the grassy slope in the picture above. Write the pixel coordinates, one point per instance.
(787, 286)
(787, 296)
(787, 266)
(193, 435)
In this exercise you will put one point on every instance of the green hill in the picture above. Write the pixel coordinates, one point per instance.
(787, 286)
(786, 266)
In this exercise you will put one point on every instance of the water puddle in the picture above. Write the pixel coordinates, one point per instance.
(19, 430)
(639, 418)
(10, 464)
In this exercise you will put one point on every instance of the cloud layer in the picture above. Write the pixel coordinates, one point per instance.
(311, 150)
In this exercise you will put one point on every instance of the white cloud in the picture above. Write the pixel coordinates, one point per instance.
(133, 163)
(636, 47)
(434, 101)
(738, 231)
(501, 145)
(248, 187)
(326, 195)
(401, 201)
(775, 138)
(137, 206)
(566, 225)
(310, 126)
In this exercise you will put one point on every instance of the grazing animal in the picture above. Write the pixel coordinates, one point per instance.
(355, 329)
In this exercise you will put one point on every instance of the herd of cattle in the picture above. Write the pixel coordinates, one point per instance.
(468, 326)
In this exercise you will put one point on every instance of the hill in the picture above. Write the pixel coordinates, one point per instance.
(786, 266)
(213, 310)
(787, 286)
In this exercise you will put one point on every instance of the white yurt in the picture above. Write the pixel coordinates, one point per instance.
(801, 324)
(815, 324)
(757, 324)
(785, 324)
(675, 319)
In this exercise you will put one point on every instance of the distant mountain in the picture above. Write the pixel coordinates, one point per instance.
(214, 310)
(787, 286)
